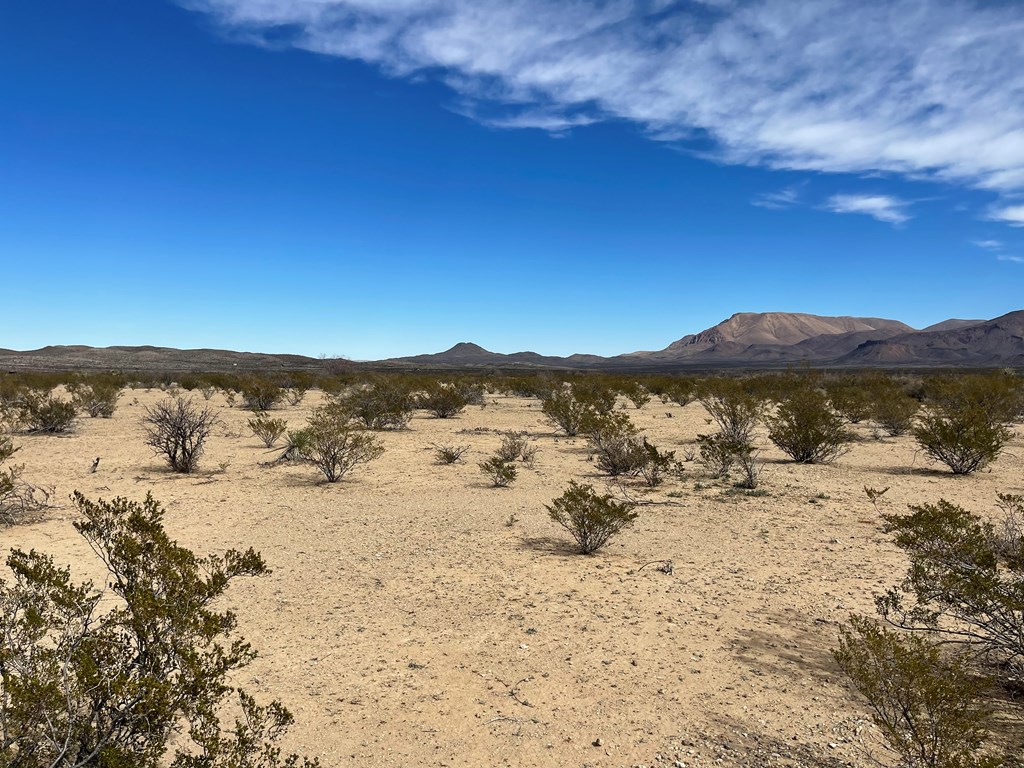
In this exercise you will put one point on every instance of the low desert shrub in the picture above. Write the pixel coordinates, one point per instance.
(267, 429)
(616, 444)
(137, 674)
(260, 394)
(636, 393)
(334, 445)
(449, 454)
(851, 398)
(656, 464)
(565, 411)
(718, 453)
(964, 436)
(514, 446)
(40, 411)
(807, 429)
(177, 429)
(590, 518)
(927, 704)
(383, 404)
(442, 399)
(17, 497)
(501, 473)
(893, 410)
(97, 397)
(963, 583)
(734, 408)
(751, 469)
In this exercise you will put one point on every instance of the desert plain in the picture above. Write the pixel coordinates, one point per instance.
(417, 616)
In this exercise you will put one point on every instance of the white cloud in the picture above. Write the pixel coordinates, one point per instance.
(1011, 214)
(989, 245)
(882, 207)
(1004, 257)
(925, 88)
(776, 201)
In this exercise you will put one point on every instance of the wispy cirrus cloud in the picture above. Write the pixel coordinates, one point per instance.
(1007, 257)
(923, 88)
(777, 201)
(887, 208)
(989, 245)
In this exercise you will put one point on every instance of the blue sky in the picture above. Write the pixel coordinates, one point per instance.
(383, 178)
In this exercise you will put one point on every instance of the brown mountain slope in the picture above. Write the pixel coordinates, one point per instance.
(992, 343)
(730, 338)
(148, 358)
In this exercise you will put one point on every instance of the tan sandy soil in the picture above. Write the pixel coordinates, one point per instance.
(407, 624)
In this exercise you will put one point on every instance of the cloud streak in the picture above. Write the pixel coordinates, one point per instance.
(885, 208)
(928, 89)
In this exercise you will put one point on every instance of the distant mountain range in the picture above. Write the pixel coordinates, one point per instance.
(745, 340)
(772, 339)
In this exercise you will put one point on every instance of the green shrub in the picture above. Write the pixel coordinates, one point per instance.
(718, 453)
(564, 411)
(334, 446)
(443, 400)
(962, 583)
(807, 429)
(382, 404)
(40, 411)
(449, 454)
(501, 473)
(964, 436)
(735, 409)
(97, 397)
(261, 394)
(267, 429)
(590, 518)
(893, 410)
(616, 444)
(635, 392)
(134, 675)
(655, 463)
(926, 704)
(177, 430)
(513, 447)
(851, 397)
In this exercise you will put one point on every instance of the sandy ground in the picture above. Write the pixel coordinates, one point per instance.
(418, 617)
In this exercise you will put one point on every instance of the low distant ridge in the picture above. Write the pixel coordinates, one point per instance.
(746, 339)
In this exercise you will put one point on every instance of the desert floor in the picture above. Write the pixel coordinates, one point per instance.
(416, 616)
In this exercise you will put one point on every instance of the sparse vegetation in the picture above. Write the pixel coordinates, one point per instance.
(449, 454)
(260, 394)
(97, 397)
(334, 445)
(383, 404)
(500, 472)
(267, 429)
(590, 518)
(965, 436)
(141, 680)
(927, 705)
(442, 399)
(807, 429)
(177, 429)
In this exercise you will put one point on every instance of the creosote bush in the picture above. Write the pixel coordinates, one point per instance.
(43, 411)
(616, 443)
(565, 411)
(334, 445)
(590, 518)
(965, 436)
(177, 429)
(893, 410)
(735, 409)
(442, 399)
(927, 704)
(383, 404)
(17, 497)
(449, 454)
(500, 472)
(97, 397)
(513, 446)
(807, 429)
(267, 429)
(139, 674)
(261, 394)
